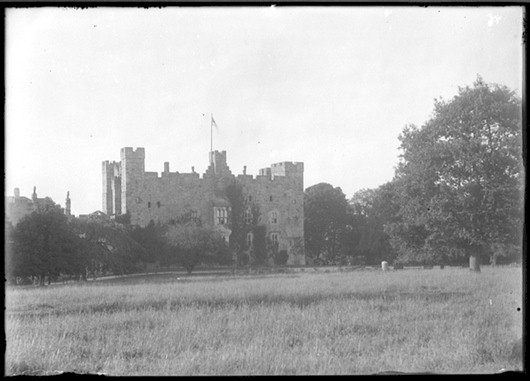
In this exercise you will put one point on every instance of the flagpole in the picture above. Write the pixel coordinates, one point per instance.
(211, 132)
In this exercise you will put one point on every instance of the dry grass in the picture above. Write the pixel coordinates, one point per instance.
(444, 321)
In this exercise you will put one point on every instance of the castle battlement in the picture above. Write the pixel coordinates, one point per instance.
(131, 153)
(277, 191)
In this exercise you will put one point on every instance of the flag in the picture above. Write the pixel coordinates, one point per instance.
(213, 122)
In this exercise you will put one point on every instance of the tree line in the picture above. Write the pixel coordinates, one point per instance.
(456, 196)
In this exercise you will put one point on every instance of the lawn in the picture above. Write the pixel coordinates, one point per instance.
(340, 322)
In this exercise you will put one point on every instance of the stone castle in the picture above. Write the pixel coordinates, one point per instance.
(277, 192)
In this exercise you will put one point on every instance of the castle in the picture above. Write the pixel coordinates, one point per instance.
(277, 192)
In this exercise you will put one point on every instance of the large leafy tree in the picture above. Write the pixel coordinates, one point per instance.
(325, 220)
(190, 245)
(43, 246)
(151, 239)
(371, 210)
(107, 247)
(460, 178)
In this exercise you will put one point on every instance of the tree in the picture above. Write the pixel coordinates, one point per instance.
(261, 248)
(325, 217)
(13, 263)
(190, 245)
(43, 246)
(236, 217)
(460, 178)
(371, 210)
(151, 239)
(108, 247)
(241, 225)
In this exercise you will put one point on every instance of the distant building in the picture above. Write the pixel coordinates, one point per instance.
(97, 216)
(277, 192)
(16, 206)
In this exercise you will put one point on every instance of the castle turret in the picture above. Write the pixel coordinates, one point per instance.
(218, 161)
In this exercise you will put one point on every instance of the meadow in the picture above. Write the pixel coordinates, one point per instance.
(341, 322)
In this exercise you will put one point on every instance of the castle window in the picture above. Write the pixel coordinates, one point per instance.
(248, 216)
(193, 214)
(274, 217)
(221, 216)
(275, 237)
(249, 239)
(270, 198)
(158, 204)
(149, 204)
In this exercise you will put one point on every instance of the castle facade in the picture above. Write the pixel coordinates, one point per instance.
(277, 192)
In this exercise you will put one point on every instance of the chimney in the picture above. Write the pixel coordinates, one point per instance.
(68, 203)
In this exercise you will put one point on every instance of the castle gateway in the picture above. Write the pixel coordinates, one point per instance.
(277, 193)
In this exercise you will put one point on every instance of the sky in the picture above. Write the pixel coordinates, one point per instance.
(332, 87)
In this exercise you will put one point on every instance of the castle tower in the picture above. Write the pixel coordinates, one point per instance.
(107, 191)
(111, 187)
(291, 170)
(218, 161)
(132, 175)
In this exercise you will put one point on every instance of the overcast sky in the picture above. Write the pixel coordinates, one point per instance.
(332, 87)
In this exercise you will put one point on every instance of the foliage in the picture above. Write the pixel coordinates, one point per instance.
(43, 245)
(124, 219)
(460, 178)
(151, 239)
(325, 219)
(240, 225)
(281, 257)
(190, 245)
(260, 248)
(236, 218)
(370, 211)
(13, 263)
(189, 216)
(108, 247)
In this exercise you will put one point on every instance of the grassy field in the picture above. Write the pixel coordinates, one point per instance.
(355, 322)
